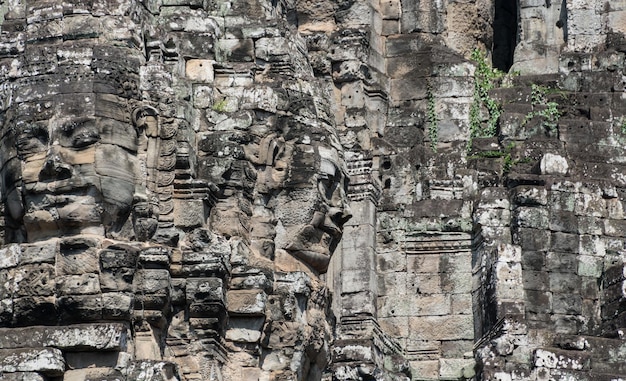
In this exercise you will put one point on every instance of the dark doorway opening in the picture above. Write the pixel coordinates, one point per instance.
(505, 33)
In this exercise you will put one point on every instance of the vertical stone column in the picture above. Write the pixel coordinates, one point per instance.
(361, 344)
(358, 267)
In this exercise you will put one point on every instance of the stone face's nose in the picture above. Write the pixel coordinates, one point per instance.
(55, 168)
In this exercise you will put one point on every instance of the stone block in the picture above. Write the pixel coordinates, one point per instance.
(76, 257)
(396, 326)
(151, 370)
(93, 374)
(532, 239)
(228, 49)
(48, 361)
(23, 376)
(563, 221)
(615, 228)
(559, 359)
(117, 279)
(590, 225)
(43, 252)
(403, 90)
(566, 283)
(244, 330)
(590, 266)
(390, 9)
(492, 217)
(272, 49)
(527, 195)
(536, 280)
(565, 201)
(390, 27)
(590, 205)
(151, 281)
(592, 245)
(461, 304)
(250, 281)
(387, 261)
(398, 306)
(531, 217)
(357, 280)
(10, 256)
(424, 283)
(456, 282)
(78, 308)
(34, 310)
(533, 260)
(566, 304)
(32, 280)
(84, 284)
(564, 242)
(561, 262)
(199, 70)
(538, 301)
(358, 303)
(189, 213)
(423, 263)
(454, 327)
(352, 95)
(552, 164)
(456, 368)
(425, 370)
(615, 209)
(246, 302)
(205, 289)
(117, 305)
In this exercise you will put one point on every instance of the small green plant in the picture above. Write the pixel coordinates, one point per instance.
(220, 106)
(506, 154)
(623, 125)
(485, 79)
(549, 111)
(433, 121)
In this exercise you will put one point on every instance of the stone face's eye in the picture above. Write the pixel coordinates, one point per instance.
(85, 138)
(79, 134)
(32, 139)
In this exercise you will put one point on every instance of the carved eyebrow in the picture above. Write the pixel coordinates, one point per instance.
(38, 132)
(69, 127)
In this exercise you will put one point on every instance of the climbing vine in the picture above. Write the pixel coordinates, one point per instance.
(548, 110)
(433, 121)
(485, 79)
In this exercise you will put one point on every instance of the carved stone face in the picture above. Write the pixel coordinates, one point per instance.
(78, 173)
(313, 207)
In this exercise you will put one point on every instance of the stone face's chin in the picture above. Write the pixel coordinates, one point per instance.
(313, 246)
(317, 260)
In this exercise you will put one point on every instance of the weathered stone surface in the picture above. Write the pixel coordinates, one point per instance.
(97, 336)
(48, 361)
(275, 190)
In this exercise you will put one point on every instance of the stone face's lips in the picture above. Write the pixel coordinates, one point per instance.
(60, 186)
(318, 261)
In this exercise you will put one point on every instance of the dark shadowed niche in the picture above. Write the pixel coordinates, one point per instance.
(505, 33)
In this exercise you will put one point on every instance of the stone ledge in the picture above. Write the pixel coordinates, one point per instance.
(96, 336)
(43, 360)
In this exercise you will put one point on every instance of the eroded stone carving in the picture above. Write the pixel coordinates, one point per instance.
(176, 175)
(198, 223)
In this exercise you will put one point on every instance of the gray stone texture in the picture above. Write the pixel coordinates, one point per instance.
(306, 190)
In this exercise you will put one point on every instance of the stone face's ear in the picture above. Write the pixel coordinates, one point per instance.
(145, 118)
